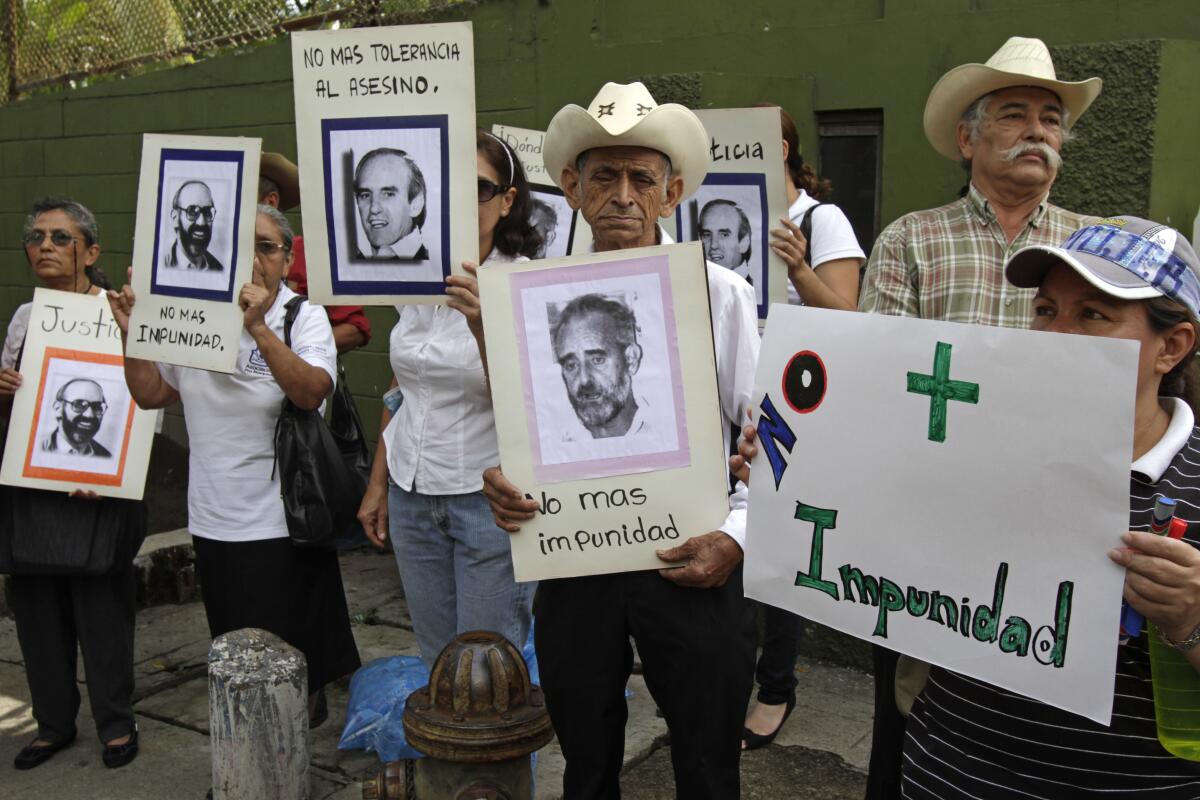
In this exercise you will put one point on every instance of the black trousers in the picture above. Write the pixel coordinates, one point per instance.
(887, 732)
(776, 670)
(53, 613)
(697, 658)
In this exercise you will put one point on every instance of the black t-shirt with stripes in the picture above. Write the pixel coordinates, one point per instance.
(968, 739)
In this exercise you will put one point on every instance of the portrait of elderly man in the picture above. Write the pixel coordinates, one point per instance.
(192, 214)
(625, 163)
(389, 192)
(1005, 122)
(79, 407)
(596, 349)
(725, 236)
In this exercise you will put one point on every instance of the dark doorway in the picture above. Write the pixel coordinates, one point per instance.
(851, 144)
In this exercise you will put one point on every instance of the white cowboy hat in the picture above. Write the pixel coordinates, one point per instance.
(1020, 62)
(626, 114)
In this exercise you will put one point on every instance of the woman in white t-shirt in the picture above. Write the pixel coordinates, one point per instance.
(439, 436)
(252, 575)
(824, 269)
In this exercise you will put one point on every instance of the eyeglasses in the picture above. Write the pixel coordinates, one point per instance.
(58, 238)
(488, 190)
(192, 212)
(98, 407)
(266, 248)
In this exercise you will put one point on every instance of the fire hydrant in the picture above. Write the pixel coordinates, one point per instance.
(477, 722)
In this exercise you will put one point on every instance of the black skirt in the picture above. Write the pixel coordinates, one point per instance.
(293, 592)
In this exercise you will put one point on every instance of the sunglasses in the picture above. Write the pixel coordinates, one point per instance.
(58, 238)
(488, 190)
(266, 248)
(98, 407)
(193, 212)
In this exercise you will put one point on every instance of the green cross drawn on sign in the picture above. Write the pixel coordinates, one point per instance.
(940, 388)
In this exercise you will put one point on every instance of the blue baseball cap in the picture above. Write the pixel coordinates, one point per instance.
(1126, 257)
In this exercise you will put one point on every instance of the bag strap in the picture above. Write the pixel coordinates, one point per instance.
(806, 229)
(289, 318)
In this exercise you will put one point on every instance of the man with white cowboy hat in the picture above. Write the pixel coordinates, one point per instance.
(1005, 122)
(625, 162)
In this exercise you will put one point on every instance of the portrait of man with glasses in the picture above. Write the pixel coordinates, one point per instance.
(79, 407)
(192, 214)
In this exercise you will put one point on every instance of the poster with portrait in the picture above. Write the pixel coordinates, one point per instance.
(74, 424)
(742, 198)
(385, 134)
(562, 227)
(193, 248)
(612, 420)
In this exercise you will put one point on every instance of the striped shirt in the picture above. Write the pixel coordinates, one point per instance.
(948, 263)
(967, 739)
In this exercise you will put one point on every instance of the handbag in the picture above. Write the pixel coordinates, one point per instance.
(346, 426)
(321, 492)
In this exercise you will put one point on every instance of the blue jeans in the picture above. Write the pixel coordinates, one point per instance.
(457, 570)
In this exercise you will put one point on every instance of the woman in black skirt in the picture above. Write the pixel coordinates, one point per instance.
(250, 573)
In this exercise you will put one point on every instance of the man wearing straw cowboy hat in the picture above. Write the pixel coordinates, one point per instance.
(625, 162)
(1006, 122)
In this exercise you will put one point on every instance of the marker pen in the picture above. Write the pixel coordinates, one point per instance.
(1163, 522)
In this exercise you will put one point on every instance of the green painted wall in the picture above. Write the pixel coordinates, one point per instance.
(1135, 150)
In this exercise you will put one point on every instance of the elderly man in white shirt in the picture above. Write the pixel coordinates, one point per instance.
(625, 162)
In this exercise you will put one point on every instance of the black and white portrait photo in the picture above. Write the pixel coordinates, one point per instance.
(727, 216)
(195, 249)
(83, 417)
(387, 203)
(553, 219)
(602, 367)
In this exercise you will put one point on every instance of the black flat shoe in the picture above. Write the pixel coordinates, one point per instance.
(31, 755)
(320, 710)
(118, 755)
(756, 740)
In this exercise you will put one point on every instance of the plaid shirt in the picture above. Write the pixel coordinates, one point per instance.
(948, 263)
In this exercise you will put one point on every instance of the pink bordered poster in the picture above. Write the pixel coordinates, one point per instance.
(604, 387)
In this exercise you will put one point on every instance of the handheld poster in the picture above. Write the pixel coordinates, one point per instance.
(385, 134)
(943, 490)
(607, 412)
(193, 248)
(742, 198)
(74, 424)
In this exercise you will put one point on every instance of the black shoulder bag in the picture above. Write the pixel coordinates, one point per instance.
(321, 493)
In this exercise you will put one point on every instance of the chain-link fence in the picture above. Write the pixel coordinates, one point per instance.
(60, 42)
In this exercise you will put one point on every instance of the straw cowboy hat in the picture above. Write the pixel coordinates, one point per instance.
(1020, 62)
(626, 114)
(286, 176)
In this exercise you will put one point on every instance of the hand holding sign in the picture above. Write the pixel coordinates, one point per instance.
(709, 558)
(1162, 581)
(506, 500)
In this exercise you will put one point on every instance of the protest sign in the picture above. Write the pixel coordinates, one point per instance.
(947, 491)
(742, 198)
(193, 248)
(74, 424)
(385, 134)
(607, 412)
(560, 225)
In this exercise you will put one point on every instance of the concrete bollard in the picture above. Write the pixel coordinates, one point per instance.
(257, 717)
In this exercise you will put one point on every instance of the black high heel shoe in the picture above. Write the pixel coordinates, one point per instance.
(756, 740)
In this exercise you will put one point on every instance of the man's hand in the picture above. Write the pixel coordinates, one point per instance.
(710, 558)
(373, 514)
(253, 301)
(509, 507)
(1162, 581)
(739, 465)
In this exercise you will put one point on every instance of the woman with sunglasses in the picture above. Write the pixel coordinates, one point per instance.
(59, 606)
(252, 574)
(439, 436)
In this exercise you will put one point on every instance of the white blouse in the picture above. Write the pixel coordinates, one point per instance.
(443, 436)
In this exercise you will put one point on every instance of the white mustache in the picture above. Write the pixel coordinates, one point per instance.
(1015, 152)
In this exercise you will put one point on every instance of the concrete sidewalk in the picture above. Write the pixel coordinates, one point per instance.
(821, 752)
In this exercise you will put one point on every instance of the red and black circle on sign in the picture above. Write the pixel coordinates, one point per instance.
(804, 381)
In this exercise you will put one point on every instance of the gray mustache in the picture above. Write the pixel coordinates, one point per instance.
(1016, 151)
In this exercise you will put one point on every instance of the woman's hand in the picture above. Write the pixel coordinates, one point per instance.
(739, 464)
(85, 494)
(789, 244)
(10, 381)
(1162, 581)
(121, 302)
(253, 301)
(373, 514)
(463, 294)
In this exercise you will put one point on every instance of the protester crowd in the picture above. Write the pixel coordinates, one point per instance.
(1002, 254)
